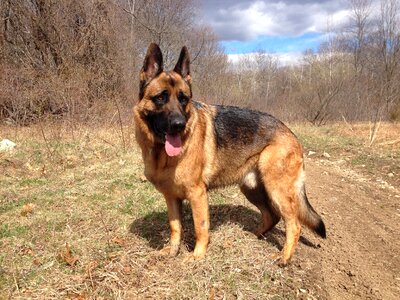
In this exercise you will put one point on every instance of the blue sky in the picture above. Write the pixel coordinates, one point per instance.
(284, 27)
(274, 44)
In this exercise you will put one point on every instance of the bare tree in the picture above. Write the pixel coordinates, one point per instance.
(357, 32)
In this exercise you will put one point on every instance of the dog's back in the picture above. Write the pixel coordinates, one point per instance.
(239, 136)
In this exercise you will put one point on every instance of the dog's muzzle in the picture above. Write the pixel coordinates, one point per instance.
(177, 124)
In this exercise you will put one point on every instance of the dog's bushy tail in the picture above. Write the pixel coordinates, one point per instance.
(308, 216)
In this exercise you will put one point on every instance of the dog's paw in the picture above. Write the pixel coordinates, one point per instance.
(199, 252)
(194, 256)
(188, 258)
(171, 250)
(279, 260)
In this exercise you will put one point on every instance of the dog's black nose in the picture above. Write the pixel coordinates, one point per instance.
(177, 124)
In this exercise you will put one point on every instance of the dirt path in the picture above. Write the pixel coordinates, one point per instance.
(360, 259)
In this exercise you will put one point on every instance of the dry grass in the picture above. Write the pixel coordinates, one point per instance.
(79, 222)
(350, 143)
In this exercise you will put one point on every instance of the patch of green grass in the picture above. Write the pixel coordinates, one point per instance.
(231, 282)
(217, 198)
(390, 153)
(99, 197)
(327, 141)
(127, 208)
(49, 196)
(56, 225)
(32, 182)
(147, 198)
(142, 201)
(36, 150)
(360, 160)
(5, 280)
(9, 205)
(9, 231)
(12, 202)
(376, 160)
(127, 183)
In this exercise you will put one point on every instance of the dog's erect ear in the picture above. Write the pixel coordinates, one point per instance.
(153, 62)
(182, 67)
(152, 66)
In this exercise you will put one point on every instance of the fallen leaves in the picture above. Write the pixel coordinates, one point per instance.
(92, 265)
(211, 296)
(82, 296)
(26, 250)
(227, 244)
(37, 262)
(27, 209)
(117, 240)
(66, 256)
(71, 161)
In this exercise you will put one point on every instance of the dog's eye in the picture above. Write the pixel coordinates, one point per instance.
(183, 99)
(161, 99)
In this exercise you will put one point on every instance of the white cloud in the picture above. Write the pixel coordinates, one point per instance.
(284, 59)
(246, 20)
(290, 59)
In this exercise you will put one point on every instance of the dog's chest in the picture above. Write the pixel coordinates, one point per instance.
(167, 173)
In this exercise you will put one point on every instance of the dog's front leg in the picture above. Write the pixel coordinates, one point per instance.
(174, 216)
(199, 203)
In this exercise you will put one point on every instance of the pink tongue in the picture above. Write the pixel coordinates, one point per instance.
(173, 144)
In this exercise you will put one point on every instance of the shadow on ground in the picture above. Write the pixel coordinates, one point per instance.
(155, 229)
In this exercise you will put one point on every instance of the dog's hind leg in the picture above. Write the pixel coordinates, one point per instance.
(255, 192)
(281, 169)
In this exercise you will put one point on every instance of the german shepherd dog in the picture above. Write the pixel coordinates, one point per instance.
(189, 147)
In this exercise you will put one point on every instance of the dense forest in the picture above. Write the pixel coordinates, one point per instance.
(79, 60)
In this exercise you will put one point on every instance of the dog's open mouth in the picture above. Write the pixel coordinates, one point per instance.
(173, 144)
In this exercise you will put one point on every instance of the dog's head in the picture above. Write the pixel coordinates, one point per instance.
(165, 98)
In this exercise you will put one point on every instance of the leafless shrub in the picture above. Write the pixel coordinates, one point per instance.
(79, 60)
